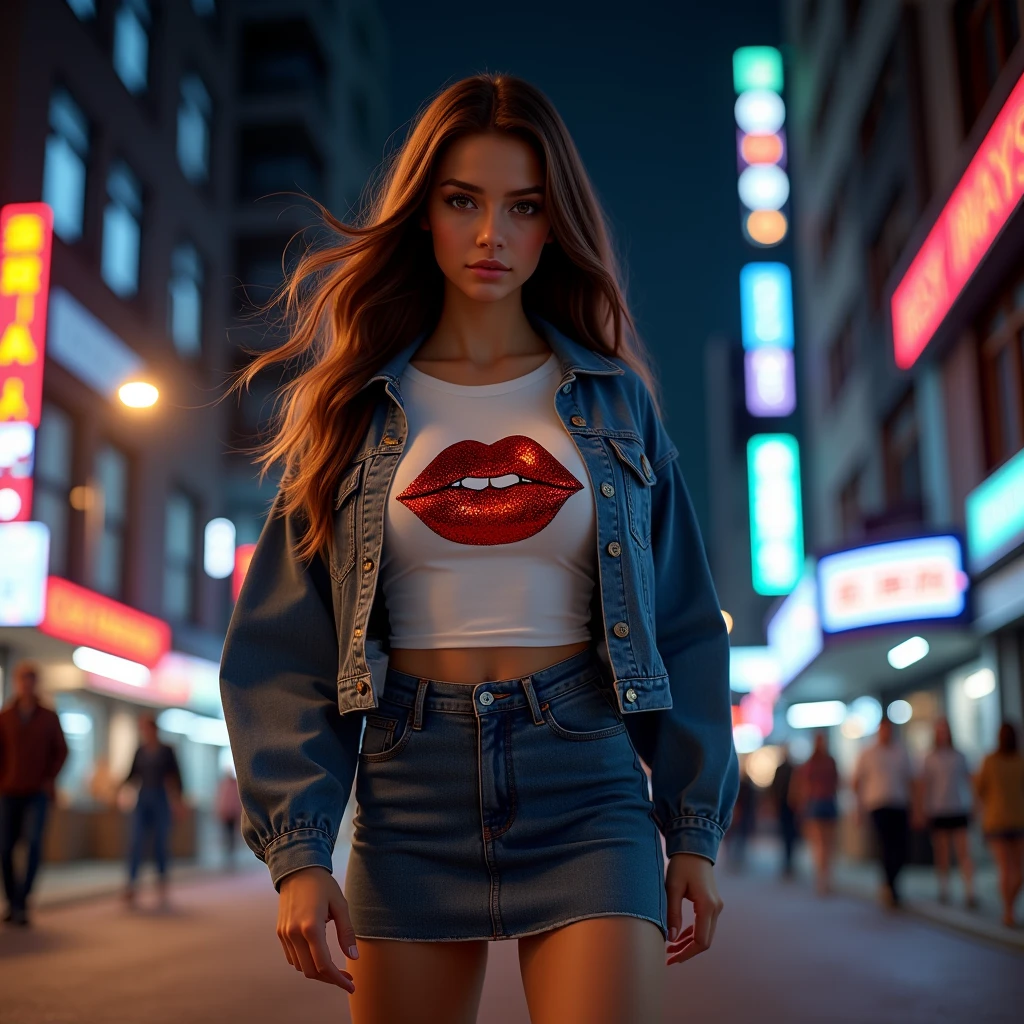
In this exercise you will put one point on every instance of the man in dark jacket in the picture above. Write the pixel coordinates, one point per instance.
(32, 751)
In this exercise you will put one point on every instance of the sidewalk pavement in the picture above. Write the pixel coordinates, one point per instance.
(918, 888)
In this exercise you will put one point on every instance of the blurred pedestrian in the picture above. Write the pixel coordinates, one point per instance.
(882, 781)
(155, 772)
(744, 817)
(944, 799)
(814, 792)
(782, 797)
(32, 752)
(229, 814)
(1000, 789)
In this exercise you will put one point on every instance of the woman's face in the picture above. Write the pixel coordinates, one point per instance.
(486, 214)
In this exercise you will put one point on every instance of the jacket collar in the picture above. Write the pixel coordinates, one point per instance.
(574, 357)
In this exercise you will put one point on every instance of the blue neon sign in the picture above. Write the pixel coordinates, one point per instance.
(766, 305)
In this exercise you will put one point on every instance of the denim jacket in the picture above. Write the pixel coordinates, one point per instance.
(306, 648)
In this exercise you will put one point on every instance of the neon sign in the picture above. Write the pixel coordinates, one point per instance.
(770, 382)
(776, 517)
(26, 235)
(995, 514)
(989, 191)
(901, 581)
(794, 631)
(766, 305)
(24, 556)
(81, 616)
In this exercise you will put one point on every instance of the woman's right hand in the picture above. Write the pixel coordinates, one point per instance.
(309, 899)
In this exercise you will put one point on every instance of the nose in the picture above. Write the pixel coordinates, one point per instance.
(491, 234)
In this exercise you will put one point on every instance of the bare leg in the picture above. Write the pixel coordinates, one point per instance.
(941, 845)
(965, 862)
(417, 982)
(604, 970)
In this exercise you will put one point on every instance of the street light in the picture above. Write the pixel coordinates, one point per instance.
(138, 394)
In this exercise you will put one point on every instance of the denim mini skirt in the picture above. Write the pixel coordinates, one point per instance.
(501, 809)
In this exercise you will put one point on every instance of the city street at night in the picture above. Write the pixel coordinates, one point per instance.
(779, 954)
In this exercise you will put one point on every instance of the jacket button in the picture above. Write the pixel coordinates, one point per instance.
(614, 549)
(607, 490)
(646, 467)
(578, 421)
(361, 687)
(631, 696)
(566, 388)
(391, 440)
(620, 629)
(367, 565)
(357, 632)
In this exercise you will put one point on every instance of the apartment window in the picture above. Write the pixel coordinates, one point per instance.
(883, 96)
(194, 113)
(52, 481)
(185, 300)
(84, 9)
(64, 165)
(987, 31)
(842, 355)
(131, 44)
(887, 247)
(278, 158)
(111, 481)
(282, 57)
(122, 231)
(902, 456)
(1001, 352)
(179, 556)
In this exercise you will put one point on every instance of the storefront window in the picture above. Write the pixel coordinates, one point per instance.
(112, 487)
(1001, 355)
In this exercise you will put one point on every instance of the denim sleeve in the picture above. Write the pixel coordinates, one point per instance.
(689, 747)
(295, 756)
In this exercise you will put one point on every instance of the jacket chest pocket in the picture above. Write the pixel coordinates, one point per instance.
(638, 479)
(346, 499)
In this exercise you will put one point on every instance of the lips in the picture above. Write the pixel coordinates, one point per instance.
(476, 493)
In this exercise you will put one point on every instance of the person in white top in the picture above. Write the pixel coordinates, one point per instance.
(882, 782)
(944, 803)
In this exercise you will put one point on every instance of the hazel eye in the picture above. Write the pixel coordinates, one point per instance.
(457, 200)
(525, 207)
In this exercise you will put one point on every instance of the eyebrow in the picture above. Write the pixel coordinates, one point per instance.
(532, 190)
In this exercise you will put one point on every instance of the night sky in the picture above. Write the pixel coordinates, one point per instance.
(646, 91)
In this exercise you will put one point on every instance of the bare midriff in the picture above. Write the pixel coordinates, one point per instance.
(479, 664)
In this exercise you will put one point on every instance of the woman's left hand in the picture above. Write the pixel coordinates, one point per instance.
(691, 877)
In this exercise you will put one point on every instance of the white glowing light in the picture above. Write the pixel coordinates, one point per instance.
(980, 684)
(75, 723)
(10, 504)
(900, 712)
(863, 716)
(762, 765)
(138, 394)
(198, 728)
(746, 737)
(219, 548)
(820, 714)
(763, 187)
(99, 663)
(760, 111)
(908, 653)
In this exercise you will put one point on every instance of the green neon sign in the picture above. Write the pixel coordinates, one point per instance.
(757, 67)
(995, 514)
(776, 516)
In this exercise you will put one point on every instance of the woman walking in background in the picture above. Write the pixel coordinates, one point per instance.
(813, 794)
(155, 773)
(944, 801)
(1000, 789)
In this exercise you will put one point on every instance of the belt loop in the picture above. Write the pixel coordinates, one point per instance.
(538, 718)
(421, 696)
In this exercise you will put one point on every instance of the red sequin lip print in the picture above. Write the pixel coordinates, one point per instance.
(476, 493)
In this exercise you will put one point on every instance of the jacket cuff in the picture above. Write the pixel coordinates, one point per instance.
(300, 848)
(693, 835)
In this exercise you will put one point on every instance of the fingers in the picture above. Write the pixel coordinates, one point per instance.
(706, 908)
(309, 946)
(688, 943)
(337, 910)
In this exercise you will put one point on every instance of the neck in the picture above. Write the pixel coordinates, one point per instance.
(482, 332)
(26, 704)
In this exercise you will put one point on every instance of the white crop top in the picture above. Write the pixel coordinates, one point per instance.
(489, 526)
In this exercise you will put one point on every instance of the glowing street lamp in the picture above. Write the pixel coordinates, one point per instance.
(138, 394)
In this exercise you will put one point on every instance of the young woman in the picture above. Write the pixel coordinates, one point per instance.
(1000, 789)
(814, 796)
(944, 796)
(478, 489)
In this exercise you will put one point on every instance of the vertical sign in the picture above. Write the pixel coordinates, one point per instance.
(26, 232)
(776, 520)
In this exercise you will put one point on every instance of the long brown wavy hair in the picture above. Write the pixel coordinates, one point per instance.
(351, 305)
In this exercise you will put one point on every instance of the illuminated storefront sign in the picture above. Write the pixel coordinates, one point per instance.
(902, 581)
(995, 515)
(969, 223)
(794, 631)
(24, 558)
(243, 556)
(82, 616)
(753, 667)
(776, 517)
(26, 234)
(766, 305)
(770, 382)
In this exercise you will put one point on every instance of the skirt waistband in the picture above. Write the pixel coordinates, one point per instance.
(501, 695)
